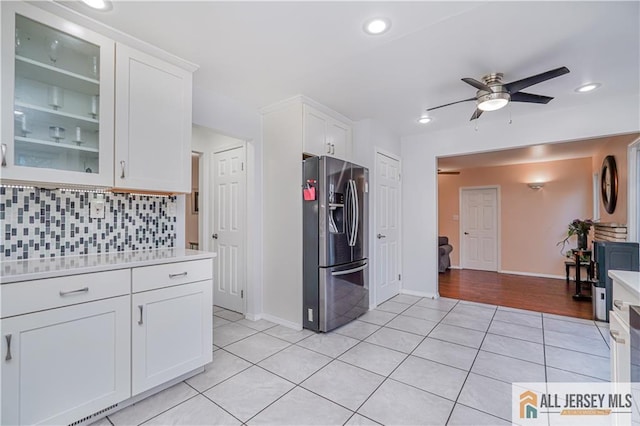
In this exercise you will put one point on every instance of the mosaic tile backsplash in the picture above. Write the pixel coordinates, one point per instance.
(40, 223)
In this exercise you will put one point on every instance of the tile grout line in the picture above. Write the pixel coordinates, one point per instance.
(469, 371)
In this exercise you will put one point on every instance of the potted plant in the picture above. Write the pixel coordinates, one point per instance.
(580, 228)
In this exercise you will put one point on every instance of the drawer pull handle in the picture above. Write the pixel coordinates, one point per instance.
(122, 163)
(618, 304)
(8, 357)
(4, 155)
(70, 292)
(181, 274)
(614, 336)
(140, 322)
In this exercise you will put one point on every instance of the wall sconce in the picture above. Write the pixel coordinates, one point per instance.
(535, 185)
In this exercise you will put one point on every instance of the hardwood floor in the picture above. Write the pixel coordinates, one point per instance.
(532, 293)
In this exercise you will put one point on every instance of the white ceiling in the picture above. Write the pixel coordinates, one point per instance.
(262, 52)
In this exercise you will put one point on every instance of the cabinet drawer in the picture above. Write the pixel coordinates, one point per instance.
(622, 298)
(31, 296)
(169, 274)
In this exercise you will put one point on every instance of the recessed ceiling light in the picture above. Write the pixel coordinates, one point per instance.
(424, 119)
(377, 26)
(588, 87)
(98, 4)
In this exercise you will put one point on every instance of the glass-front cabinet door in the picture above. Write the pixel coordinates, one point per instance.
(57, 100)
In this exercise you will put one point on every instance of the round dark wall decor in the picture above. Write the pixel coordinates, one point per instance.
(609, 183)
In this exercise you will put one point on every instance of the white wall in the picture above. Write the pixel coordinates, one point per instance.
(228, 118)
(420, 152)
(369, 137)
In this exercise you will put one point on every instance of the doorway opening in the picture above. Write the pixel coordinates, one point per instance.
(192, 206)
(542, 190)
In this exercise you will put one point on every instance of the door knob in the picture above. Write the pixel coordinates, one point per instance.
(381, 236)
(214, 236)
(466, 233)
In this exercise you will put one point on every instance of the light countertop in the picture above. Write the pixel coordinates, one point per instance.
(629, 279)
(33, 269)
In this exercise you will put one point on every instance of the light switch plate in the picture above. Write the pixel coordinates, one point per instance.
(96, 209)
(172, 208)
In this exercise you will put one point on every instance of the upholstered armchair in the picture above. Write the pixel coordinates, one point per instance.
(444, 249)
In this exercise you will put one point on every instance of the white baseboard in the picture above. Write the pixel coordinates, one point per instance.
(280, 321)
(253, 317)
(533, 274)
(420, 293)
(455, 267)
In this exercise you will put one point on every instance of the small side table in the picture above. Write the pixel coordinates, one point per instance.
(578, 254)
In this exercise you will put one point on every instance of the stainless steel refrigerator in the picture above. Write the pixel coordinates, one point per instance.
(335, 242)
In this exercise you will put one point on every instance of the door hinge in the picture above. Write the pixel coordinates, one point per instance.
(399, 277)
(241, 294)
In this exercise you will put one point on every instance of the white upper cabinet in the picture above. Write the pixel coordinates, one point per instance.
(324, 135)
(57, 100)
(153, 123)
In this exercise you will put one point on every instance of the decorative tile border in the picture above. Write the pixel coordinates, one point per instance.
(37, 223)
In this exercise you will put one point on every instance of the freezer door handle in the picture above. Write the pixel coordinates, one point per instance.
(350, 271)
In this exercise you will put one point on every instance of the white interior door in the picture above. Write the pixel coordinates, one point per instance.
(229, 227)
(387, 228)
(479, 226)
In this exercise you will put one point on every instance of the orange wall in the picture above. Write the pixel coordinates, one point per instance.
(532, 221)
(616, 146)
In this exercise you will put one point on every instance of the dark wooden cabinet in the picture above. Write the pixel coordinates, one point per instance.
(614, 255)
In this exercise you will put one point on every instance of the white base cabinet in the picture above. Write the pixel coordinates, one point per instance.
(74, 346)
(61, 362)
(620, 349)
(172, 333)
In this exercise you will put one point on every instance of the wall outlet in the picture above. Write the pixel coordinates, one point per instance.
(172, 208)
(96, 209)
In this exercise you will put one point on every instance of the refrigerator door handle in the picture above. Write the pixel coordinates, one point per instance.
(357, 215)
(350, 271)
(352, 210)
(347, 213)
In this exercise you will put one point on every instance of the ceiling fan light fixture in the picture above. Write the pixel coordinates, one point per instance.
(589, 87)
(425, 119)
(493, 101)
(377, 26)
(98, 4)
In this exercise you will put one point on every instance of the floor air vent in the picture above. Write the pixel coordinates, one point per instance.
(94, 415)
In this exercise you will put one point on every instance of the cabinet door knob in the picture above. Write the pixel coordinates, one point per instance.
(4, 154)
(122, 169)
(140, 322)
(8, 338)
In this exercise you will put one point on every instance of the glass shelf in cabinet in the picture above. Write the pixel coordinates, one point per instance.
(44, 73)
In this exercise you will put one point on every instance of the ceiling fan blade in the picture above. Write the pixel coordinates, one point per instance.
(516, 86)
(476, 114)
(452, 103)
(477, 84)
(531, 98)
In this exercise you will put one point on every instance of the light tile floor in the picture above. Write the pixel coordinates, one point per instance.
(412, 361)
